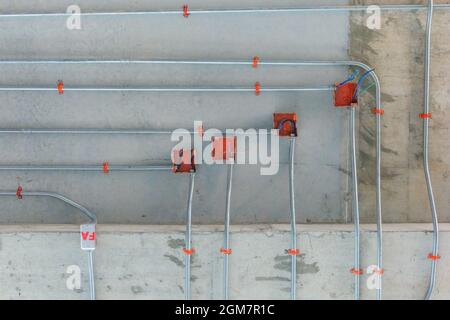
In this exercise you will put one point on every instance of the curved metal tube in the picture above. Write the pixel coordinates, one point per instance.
(330, 9)
(293, 220)
(355, 202)
(426, 164)
(90, 215)
(188, 239)
(226, 242)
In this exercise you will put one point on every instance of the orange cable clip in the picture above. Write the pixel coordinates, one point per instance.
(226, 251)
(426, 116)
(257, 88)
(293, 252)
(19, 192)
(357, 272)
(378, 111)
(433, 257)
(60, 87)
(379, 272)
(106, 167)
(188, 252)
(255, 62)
(186, 11)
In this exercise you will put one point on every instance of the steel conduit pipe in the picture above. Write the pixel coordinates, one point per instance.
(264, 63)
(188, 250)
(426, 152)
(293, 220)
(355, 202)
(330, 9)
(90, 215)
(226, 242)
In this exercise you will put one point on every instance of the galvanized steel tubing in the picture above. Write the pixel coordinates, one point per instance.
(426, 164)
(188, 250)
(226, 243)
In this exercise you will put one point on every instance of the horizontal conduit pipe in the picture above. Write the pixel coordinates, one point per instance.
(86, 168)
(114, 131)
(169, 89)
(330, 9)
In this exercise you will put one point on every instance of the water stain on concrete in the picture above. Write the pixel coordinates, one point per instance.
(137, 289)
(175, 260)
(175, 243)
(272, 279)
(284, 263)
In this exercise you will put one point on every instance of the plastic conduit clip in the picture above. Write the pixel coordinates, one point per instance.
(186, 11)
(60, 87)
(433, 257)
(357, 272)
(224, 148)
(226, 251)
(257, 88)
(255, 62)
(425, 116)
(188, 252)
(106, 167)
(19, 192)
(293, 252)
(379, 272)
(378, 111)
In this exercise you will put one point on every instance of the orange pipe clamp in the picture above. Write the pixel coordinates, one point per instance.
(226, 251)
(60, 87)
(185, 11)
(433, 257)
(188, 252)
(106, 167)
(257, 88)
(357, 272)
(378, 111)
(293, 252)
(255, 62)
(379, 272)
(426, 116)
(19, 192)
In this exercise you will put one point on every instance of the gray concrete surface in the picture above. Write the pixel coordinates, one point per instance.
(146, 262)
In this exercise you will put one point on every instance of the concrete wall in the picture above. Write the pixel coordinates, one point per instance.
(146, 262)
(396, 51)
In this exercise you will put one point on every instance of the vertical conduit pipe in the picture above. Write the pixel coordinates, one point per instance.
(426, 164)
(188, 244)
(293, 220)
(378, 209)
(226, 245)
(355, 202)
(91, 274)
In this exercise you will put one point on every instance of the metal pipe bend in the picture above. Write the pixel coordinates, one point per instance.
(90, 215)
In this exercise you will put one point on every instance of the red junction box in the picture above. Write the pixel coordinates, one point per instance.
(183, 161)
(224, 148)
(286, 123)
(343, 95)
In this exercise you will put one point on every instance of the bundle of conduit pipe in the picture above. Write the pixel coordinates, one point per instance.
(426, 118)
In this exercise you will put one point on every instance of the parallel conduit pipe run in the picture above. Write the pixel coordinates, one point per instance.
(426, 165)
(247, 63)
(90, 215)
